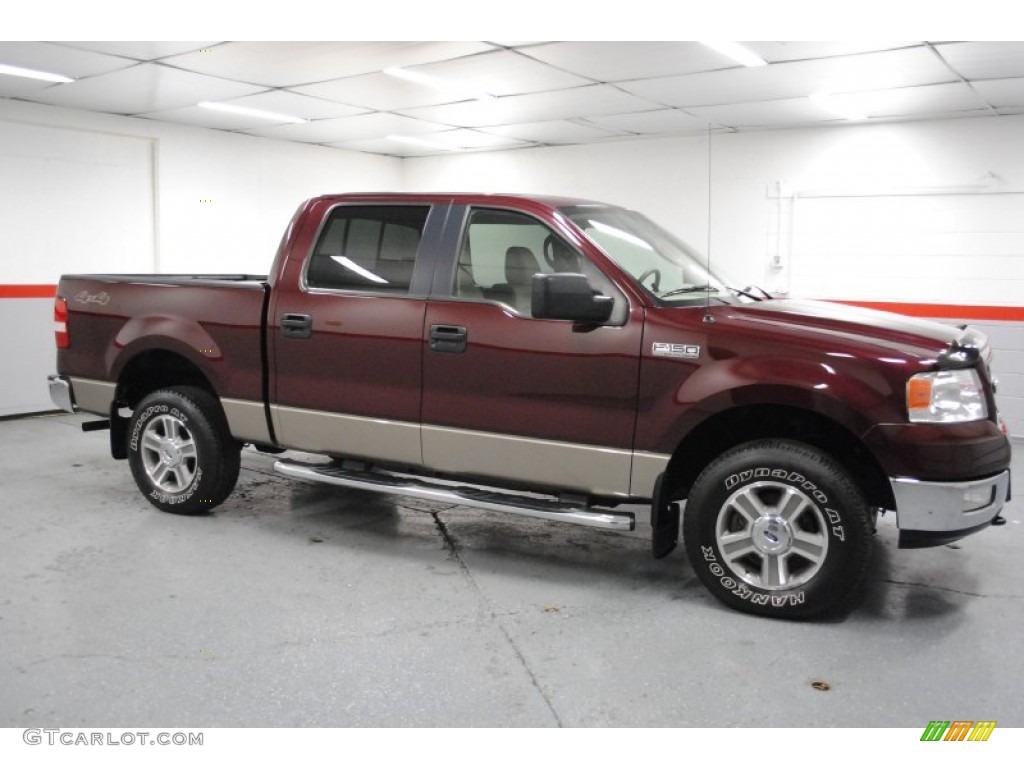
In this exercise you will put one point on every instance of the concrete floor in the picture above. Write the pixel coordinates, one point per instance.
(301, 605)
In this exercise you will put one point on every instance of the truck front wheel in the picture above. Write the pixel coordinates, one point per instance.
(181, 454)
(777, 528)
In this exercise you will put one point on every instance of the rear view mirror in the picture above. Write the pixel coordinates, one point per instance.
(569, 296)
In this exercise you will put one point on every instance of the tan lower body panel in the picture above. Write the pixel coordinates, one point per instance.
(544, 463)
(601, 471)
(342, 435)
(646, 468)
(247, 420)
(93, 396)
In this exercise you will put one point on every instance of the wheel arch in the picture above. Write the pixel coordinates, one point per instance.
(155, 369)
(745, 423)
(147, 372)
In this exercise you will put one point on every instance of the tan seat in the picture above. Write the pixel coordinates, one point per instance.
(520, 267)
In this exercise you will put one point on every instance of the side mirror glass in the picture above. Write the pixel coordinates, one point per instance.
(569, 296)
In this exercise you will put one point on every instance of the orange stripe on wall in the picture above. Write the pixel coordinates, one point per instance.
(28, 291)
(948, 311)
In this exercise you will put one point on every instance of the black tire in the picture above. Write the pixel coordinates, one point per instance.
(181, 453)
(777, 528)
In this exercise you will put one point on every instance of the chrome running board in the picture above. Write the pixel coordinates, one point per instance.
(465, 495)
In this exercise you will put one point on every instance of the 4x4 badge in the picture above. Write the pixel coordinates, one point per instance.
(665, 349)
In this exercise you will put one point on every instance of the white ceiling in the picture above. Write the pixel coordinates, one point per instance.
(535, 93)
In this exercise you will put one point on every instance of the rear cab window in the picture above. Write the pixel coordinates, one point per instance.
(368, 248)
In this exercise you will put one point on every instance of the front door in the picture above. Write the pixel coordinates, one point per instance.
(544, 403)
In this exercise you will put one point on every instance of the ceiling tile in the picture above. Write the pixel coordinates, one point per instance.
(143, 51)
(554, 132)
(21, 87)
(866, 72)
(617, 61)
(208, 118)
(390, 147)
(653, 122)
(537, 107)
(1001, 93)
(142, 89)
(295, 104)
(795, 51)
(984, 61)
(285, 64)
(378, 91)
(503, 73)
(367, 126)
(947, 98)
(765, 114)
(59, 60)
(465, 138)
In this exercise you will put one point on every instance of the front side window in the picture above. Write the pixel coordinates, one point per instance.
(503, 250)
(368, 248)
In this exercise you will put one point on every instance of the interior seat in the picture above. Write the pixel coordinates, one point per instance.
(520, 267)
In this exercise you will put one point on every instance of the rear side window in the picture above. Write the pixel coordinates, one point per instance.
(368, 248)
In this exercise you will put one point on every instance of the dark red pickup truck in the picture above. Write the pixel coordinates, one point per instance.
(555, 358)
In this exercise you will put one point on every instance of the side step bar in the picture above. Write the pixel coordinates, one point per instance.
(470, 496)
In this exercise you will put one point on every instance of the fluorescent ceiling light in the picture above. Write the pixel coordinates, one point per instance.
(837, 106)
(276, 117)
(457, 88)
(34, 74)
(737, 53)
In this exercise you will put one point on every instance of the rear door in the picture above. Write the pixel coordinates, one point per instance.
(346, 331)
(542, 403)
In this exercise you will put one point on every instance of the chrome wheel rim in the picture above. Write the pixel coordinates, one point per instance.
(169, 454)
(772, 536)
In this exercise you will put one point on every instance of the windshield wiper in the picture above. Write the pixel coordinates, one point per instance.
(708, 288)
(687, 289)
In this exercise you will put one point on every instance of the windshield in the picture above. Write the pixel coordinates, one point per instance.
(666, 267)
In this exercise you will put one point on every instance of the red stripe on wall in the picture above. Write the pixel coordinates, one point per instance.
(948, 311)
(28, 291)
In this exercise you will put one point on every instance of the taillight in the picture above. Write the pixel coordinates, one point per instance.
(60, 322)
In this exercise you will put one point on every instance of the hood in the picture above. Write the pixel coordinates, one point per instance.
(849, 328)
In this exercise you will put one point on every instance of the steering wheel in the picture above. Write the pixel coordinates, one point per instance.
(656, 282)
(559, 256)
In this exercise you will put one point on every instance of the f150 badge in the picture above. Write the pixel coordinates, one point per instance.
(685, 351)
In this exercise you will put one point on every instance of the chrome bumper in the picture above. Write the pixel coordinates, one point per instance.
(929, 514)
(61, 393)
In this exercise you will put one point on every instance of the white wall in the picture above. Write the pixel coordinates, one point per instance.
(86, 192)
(926, 213)
(776, 196)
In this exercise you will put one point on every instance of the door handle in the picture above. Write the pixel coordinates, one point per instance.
(296, 326)
(448, 338)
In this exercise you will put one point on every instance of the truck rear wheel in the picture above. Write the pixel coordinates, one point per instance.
(181, 453)
(777, 528)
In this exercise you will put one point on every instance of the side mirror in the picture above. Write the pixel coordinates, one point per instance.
(569, 296)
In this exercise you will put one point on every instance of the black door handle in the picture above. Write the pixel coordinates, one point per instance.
(447, 338)
(296, 326)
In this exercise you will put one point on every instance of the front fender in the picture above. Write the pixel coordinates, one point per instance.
(855, 400)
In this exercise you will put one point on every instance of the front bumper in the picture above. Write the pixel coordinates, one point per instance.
(61, 393)
(930, 513)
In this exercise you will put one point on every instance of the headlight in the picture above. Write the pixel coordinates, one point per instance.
(942, 397)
